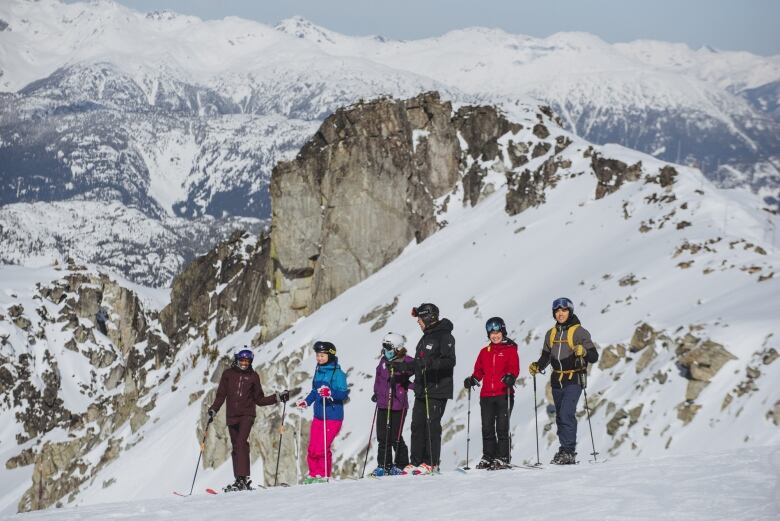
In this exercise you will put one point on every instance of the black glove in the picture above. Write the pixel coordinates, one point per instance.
(212, 412)
(402, 367)
(470, 382)
(373, 398)
(284, 395)
(508, 379)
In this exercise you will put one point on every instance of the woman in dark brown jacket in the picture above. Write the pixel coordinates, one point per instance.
(240, 388)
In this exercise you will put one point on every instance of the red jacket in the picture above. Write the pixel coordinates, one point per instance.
(493, 362)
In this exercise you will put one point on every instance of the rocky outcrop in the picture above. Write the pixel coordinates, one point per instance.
(612, 173)
(370, 181)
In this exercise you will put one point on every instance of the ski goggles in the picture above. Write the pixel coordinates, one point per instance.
(492, 327)
(562, 303)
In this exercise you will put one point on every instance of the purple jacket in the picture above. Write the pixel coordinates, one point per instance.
(402, 385)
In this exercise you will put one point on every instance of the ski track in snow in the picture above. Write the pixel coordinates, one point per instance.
(715, 486)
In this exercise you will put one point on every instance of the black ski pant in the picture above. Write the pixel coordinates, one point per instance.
(495, 427)
(389, 439)
(421, 437)
(239, 429)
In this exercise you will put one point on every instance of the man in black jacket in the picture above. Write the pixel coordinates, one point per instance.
(569, 349)
(434, 362)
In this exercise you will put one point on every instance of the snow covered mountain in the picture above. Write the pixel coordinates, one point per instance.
(105, 384)
(181, 118)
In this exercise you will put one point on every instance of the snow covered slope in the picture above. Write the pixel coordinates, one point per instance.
(676, 281)
(738, 484)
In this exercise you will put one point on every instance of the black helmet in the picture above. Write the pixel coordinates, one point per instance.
(426, 312)
(495, 324)
(321, 346)
(562, 303)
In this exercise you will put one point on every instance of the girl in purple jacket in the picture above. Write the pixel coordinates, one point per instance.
(390, 388)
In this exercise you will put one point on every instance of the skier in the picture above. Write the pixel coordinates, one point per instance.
(434, 363)
(497, 367)
(328, 392)
(391, 385)
(569, 348)
(240, 387)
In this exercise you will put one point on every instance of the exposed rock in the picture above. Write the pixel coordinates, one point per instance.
(769, 355)
(562, 143)
(380, 315)
(540, 131)
(644, 336)
(526, 189)
(774, 413)
(24, 458)
(687, 411)
(610, 356)
(612, 173)
(704, 361)
(648, 355)
(540, 149)
(470, 303)
(616, 422)
(634, 414)
(694, 389)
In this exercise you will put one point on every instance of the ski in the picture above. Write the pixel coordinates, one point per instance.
(180, 494)
(211, 491)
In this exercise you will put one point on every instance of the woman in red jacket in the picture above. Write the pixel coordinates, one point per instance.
(497, 367)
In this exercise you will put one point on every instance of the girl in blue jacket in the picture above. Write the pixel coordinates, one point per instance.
(328, 393)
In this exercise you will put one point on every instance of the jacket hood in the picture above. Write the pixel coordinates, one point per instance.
(442, 325)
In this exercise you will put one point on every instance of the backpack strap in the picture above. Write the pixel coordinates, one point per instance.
(570, 335)
(552, 337)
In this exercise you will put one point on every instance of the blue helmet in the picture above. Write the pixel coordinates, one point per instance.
(244, 354)
(562, 302)
(495, 324)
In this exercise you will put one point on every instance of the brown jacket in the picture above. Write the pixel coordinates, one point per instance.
(242, 391)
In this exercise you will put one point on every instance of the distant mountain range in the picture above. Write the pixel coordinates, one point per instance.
(180, 118)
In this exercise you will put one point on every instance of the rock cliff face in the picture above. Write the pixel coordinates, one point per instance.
(87, 324)
(369, 182)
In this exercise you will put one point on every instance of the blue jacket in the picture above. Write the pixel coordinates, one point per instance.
(331, 375)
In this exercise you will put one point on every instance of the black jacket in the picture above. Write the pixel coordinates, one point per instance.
(435, 362)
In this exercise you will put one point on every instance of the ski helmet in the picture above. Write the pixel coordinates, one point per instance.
(244, 354)
(426, 312)
(391, 344)
(564, 303)
(495, 324)
(321, 346)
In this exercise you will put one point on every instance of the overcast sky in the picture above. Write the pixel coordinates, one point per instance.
(750, 25)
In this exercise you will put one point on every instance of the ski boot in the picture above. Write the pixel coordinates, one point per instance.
(409, 470)
(564, 457)
(423, 469)
(310, 480)
(500, 464)
(241, 483)
(396, 471)
(485, 463)
(379, 472)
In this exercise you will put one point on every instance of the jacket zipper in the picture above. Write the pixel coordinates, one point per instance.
(240, 381)
(493, 380)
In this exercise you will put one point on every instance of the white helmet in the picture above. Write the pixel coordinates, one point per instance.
(394, 341)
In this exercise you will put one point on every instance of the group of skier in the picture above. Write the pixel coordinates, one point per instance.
(428, 372)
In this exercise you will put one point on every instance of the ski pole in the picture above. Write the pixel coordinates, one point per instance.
(298, 451)
(584, 383)
(536, 421)
(200, 454)
(279, 449)
(325, 438)
(468, 431)
(428, 420)
(388, 412)
(370, 435)
(509, 421)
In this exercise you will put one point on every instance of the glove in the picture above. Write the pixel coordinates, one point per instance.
(534, 369)
(324, 391)
(470, 382)
(212, 413)
(402, 367)
(508, 379)
(579, 351)
(373, 398)
(301, 404)
(284, 395)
